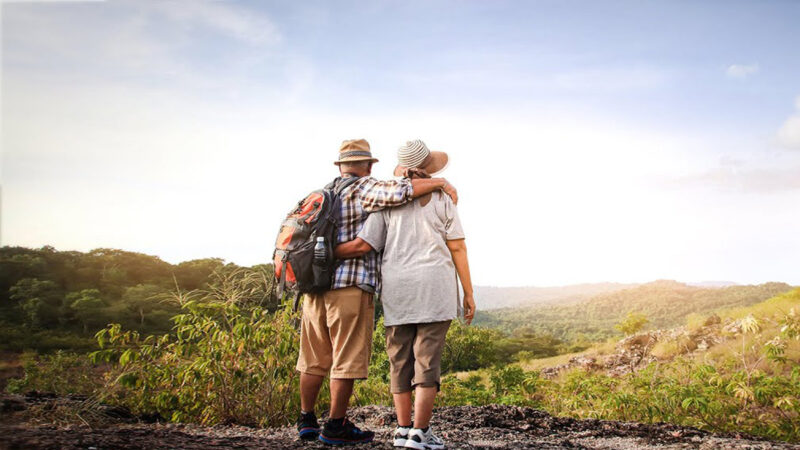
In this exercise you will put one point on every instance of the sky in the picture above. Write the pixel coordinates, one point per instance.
(590, 141)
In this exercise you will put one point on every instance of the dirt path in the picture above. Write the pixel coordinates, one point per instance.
(466, 427)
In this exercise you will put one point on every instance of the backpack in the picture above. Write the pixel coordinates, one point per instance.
(317, 215)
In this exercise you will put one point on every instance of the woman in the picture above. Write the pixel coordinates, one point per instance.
(423, 249)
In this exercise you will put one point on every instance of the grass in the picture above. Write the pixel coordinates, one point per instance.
(602, 348)
(780, 304)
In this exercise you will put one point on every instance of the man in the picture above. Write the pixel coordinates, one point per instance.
(423, 247)
(336, 328)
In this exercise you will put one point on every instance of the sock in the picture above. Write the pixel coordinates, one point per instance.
(403, 426)
(335, 423)
(425, 430)
(306, 413)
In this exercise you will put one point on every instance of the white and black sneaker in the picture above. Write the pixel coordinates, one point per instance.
(424, 440)
(400, 436)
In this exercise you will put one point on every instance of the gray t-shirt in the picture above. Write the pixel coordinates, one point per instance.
(418, 275)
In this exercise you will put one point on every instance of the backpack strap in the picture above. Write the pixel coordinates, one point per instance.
(296, 304)
(282, 280)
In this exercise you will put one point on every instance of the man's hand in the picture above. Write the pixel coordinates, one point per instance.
(424, 186)
(352, 249)
(451, 191)
(469, 308)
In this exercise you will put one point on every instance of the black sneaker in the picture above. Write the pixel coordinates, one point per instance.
(343, 432)
(307, 426)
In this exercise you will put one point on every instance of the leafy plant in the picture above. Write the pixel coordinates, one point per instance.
(224, 364)
(632, 323)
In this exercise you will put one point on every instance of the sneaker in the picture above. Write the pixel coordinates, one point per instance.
(307, 426)
(401, 436)
(344, 432)
(423, 440)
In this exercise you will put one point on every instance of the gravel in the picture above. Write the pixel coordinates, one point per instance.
(462, 427)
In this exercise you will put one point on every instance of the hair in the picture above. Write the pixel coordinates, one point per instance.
(357, 166)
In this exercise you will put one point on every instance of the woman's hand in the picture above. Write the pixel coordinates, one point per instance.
(469, 308)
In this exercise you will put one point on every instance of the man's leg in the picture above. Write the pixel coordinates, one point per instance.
(423, 406)
(341, 390)
(313, 362)
(309, 390)
(350, 319)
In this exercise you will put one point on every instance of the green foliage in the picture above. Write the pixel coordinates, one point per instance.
(228, 362)
(755, 390)
(44, 292)
(665, 303)
(469, 347)
(39, 300)
(632, 323)
(60, 373)
(86, 306)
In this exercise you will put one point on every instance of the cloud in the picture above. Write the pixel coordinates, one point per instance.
(612, 79)
(742, 71)
(246, 26)
(174, 46)
(742, 176)
(789, 133)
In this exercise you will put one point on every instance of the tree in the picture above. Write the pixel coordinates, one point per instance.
(632, 323)
(87, 305)
(38, 300)
(143, 299)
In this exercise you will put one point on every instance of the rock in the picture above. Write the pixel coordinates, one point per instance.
(463, 427)
(713, 319)
(12, 403)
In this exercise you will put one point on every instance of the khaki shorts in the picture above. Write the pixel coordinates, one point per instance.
(415, 354)
(336, 333)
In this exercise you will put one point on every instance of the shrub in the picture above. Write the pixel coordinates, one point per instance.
(632, 323)
(59, 373)
(224, 364)
(469, 348)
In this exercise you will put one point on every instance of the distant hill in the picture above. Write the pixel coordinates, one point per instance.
(666, 304)
(714, 284)
(492, 297)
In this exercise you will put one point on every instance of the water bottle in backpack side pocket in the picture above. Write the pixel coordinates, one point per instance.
(321, 266)
(320, 253)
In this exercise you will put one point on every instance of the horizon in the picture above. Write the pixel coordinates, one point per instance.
(694, 283)
(588, 142)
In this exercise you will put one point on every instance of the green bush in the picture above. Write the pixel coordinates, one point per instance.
(224, 364)
(470, 348)
(59, 373)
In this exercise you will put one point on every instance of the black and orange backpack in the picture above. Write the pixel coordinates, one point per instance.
(317, 215)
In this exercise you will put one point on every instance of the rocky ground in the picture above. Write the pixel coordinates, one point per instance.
(634, 352)
(28, 423)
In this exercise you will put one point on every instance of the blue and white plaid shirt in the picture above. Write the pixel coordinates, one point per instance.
(358, 200)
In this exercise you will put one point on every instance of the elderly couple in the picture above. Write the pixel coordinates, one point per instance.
(403, 237)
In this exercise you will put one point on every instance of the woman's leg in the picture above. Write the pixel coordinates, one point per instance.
(399, 345)
(428, 347)
(423, 405)
(402, 405)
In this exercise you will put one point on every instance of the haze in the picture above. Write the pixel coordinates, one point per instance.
(620, 141)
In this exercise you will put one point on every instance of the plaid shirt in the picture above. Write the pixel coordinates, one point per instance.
(358, 200)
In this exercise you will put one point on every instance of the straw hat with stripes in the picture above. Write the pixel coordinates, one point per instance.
(354, 150)
(416, 155)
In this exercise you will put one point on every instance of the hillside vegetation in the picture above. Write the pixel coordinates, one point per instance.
(664, 303)
(226, 354)
(735, 370)
(51, 300)
(492, 297)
